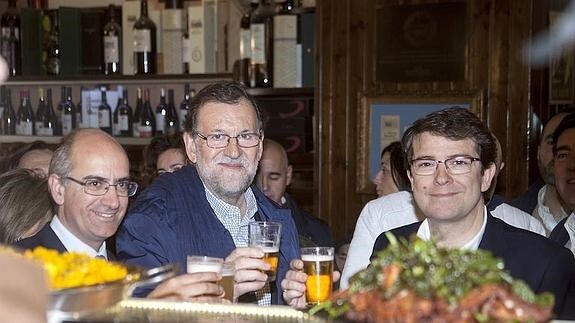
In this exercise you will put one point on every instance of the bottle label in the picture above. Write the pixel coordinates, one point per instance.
(183, 114)
(123, 123)
(245, 50)
(186, 50)
(66, 124)
(160, 123)
(39, 126)
(5, 32)
(24, 128)
(47, 131)
(142, 40)
(258, 43)
(136, 129)
(103, 119)
(111, 49)
(145, 131)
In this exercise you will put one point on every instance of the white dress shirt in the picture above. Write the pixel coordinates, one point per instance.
(72, 243)
(543, 213)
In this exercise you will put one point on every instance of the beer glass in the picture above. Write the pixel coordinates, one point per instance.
(227, 282)
(318, 265)
(203, 264)
(266, 236)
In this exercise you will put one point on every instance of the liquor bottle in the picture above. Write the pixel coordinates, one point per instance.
(161, 111)
(147, 126)
(104, 113)
(242, 66)
(261, 31)
(25, 115)
(171, 122)
(137, 113)
(145, 42)
(124, 116)
(10, 38)
(9, 115)
(69, 114)
(40, 110)
(185, 106)
(50, 127)
(285, 66)
(112, 44)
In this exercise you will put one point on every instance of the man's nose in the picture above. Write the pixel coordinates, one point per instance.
(441, 174)
(233, 150)
(111, 198)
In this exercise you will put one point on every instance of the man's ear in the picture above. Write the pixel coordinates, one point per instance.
(289, 172)
(487, 177)
(190, 147)
(57, 189)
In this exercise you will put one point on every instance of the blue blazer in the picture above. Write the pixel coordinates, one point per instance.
(45, 237)
(172, 219)
(543, 264)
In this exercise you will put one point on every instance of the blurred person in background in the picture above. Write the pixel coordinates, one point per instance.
(164, 154)
(35, 156)
(389, 178)
(19, 219)
(273, 177)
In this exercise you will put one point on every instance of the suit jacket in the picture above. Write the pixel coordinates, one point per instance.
(559, 233)
(527, 202)
(543, 264)
(172, 219)
(310, 229)
(45, 237)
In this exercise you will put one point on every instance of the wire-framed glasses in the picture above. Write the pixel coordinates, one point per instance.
(97, 187)
(455, 166)
(220, 140)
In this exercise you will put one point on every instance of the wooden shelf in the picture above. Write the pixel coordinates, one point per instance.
(124, 141)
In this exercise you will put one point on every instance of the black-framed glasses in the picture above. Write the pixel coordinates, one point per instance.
(220, 140)
(97, 187)
(455, 166)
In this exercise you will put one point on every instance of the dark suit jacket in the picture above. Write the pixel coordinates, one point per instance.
(45, 237)
(527, 202)
(543, 264)
(559, 233)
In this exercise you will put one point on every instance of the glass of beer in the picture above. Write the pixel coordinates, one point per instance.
(204, 264)
(318, 265)
(227, 282)
(266, 236)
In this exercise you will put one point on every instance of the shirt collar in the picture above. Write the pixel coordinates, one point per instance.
(72, 243)
(425, 234)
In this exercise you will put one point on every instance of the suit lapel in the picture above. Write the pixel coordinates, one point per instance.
(494, 239)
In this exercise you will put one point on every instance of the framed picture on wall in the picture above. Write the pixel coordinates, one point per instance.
(383, 119)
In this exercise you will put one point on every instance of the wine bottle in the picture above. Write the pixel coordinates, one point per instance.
(10, 38)
(171, 122)
(145, 42)
(161, 111)
(112, 44)
(69, 115)
(104, 113)
(261, 31)
(285, 46)
(242, 66)
(124, 115)
(52, 45)
(147, 126)
(50, 127)
(185, 106)
(25, 115)
(186, 46)
(9, 115)
(40, 110)
(115, 118)
(137, 113)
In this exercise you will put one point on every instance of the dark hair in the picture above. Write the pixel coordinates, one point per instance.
(454, 123)
(224, 92)
(158, 145)
(568, 122)
(17, 218)
(397, 163)
(14, 159)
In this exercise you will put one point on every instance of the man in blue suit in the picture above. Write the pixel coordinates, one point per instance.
(205, 208)
(451, 156)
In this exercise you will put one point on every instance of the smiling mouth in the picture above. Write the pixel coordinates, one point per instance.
(105, 215)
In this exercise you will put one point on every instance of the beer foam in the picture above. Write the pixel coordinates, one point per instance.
(270, 249)
(317, 257)
(204, 268)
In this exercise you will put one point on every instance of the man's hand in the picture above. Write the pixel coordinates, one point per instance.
(249, 274)
(293, 285)
(189, 286)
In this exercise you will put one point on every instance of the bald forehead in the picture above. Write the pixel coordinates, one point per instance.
(90, 143)
(275, 152)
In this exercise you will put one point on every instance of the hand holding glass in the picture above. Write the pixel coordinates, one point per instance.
(318, 265)
(266, 236)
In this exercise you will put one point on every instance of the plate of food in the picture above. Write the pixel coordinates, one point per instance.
(416, 281)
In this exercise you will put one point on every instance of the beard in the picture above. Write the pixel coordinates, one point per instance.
(227, 185)
(546, 172)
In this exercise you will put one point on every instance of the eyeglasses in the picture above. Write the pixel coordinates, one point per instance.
(220, 140)
(99, 187)
(454, 166)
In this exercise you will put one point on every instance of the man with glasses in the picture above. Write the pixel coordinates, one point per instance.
(90, 186)
(205, 208)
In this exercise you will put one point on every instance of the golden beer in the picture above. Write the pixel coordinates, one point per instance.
(271, 257)
(227, 283)
(319, 269)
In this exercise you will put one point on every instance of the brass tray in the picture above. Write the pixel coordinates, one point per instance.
(156, 311)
